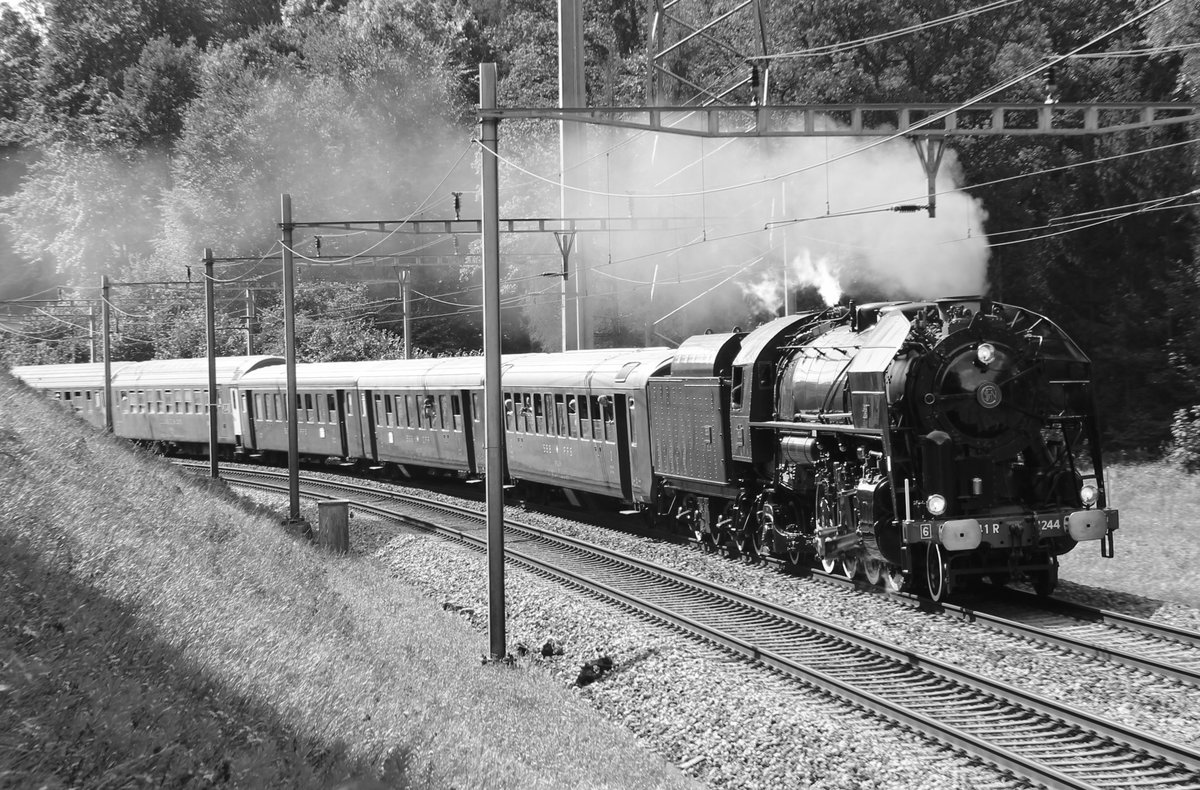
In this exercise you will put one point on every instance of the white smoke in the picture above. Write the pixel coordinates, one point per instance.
(746, 210)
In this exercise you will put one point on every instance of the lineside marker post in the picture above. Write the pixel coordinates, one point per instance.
(492, 392)
(211, 333)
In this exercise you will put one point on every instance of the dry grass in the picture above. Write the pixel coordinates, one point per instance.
(1157, 551)
(156, 632)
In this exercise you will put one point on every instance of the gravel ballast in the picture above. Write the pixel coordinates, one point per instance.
(734, 726)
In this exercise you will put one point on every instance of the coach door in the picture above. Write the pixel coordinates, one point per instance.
(366, 406)
(623, 449)
(464, 420)
(344, 435)
(249, 440)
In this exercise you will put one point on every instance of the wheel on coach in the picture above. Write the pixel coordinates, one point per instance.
(831, 565)
(937, 572)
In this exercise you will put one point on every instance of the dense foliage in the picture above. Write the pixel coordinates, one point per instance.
(134, 133)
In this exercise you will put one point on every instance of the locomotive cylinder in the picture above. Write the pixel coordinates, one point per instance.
(800, 450)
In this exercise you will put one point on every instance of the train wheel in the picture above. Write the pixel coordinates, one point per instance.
(936, 572)
(688, 515)
(893, 578)
(721, 534)
(1044, 581)
(850, 565)
(873, 570)
(830, 564)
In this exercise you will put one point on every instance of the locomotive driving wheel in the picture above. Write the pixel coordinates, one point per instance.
(873, 570)
(850, 564)
(893, 578)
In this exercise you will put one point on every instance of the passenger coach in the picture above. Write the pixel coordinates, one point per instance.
(579, 420)
(164, 401)
(79, 386)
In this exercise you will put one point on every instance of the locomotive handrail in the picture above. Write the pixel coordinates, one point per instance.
(802, 427)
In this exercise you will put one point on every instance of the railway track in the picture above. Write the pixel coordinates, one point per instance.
(1019, 732)
(1123, 639)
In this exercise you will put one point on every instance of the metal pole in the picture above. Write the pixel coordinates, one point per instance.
(572, 92)
(91, 332)
(106, 320)
(404, 302)
(289, 354)
(787, 264)
(251, 317)
(565, 241)
(214, 397)
(492, 392)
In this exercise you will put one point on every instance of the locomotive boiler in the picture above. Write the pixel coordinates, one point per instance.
(931, 444)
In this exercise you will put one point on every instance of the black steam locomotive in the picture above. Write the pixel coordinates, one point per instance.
(914, 443)
(921, 444)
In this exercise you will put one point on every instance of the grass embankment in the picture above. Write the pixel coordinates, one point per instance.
(1158, 544)
(156, 632)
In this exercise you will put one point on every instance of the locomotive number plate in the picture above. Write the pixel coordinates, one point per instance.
(1047, 525)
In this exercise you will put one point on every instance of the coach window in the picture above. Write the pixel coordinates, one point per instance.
(455, 413)
(572, 416)
(585, 422)
(258, 406)
(379, 410)
(560, 414)
(389, 419)
(510, 411)
(331, 408)
(551, 414)
(444, 413)
(429, 411)
(322, 414)
(475, 415)
(610, 420)
(738, 387)
(539, 416)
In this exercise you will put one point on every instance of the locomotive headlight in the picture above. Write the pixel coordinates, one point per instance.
(936, 505)
(1089, 494)
(986, 353)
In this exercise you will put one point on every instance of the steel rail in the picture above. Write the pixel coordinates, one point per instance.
(996, 753)
(1158, 635)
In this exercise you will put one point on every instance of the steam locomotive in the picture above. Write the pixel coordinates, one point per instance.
(912, 444)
